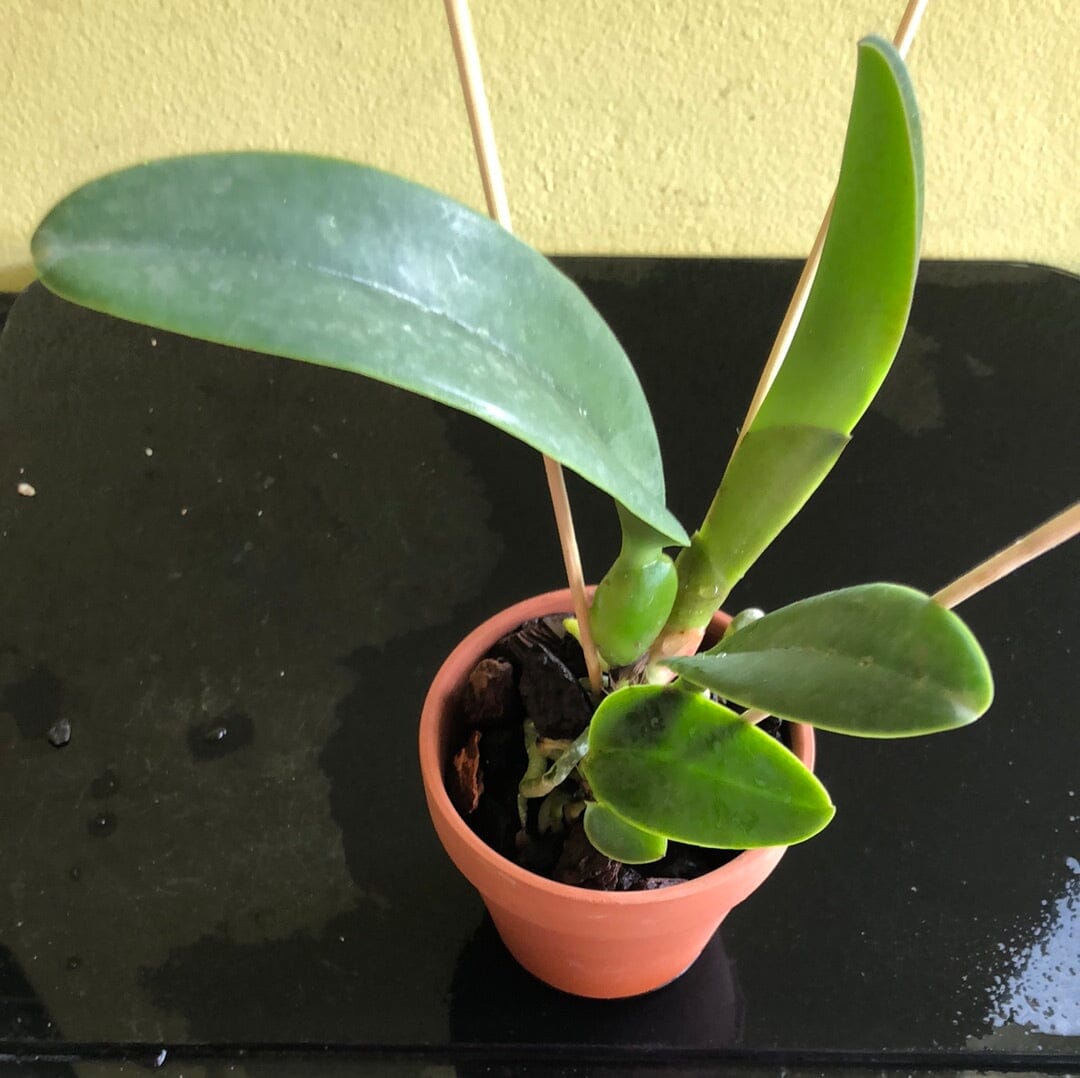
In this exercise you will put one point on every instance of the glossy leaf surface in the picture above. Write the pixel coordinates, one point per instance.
(633, 600)
(878, 660)
(675, 763)
(768, 480)
(333, 263)
(846, 340)
(619, 840)
(858, 307)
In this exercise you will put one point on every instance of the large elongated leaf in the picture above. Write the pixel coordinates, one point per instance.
(334, 263)
(858, 308)
(878, 660)
(674, 763)
(845, 342)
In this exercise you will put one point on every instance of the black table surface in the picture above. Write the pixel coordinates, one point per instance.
(238, 574)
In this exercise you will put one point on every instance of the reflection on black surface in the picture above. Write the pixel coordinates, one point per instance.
(1039, 986)
(23, 1016)
(240, 628)
(493, 1000)
(33, 699)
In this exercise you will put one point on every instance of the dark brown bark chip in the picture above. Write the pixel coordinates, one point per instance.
(535, 673)
(774, 727)
(502, 762)
(546, 633)
(497, 824)
(548, 677)
(688, 862)
(636, 878)
(553, 697)
(582, 865)
(540, 854)
(466, 783)
(489, 697)
(654, 883)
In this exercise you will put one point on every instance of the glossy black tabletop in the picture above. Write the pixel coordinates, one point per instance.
(236, 575)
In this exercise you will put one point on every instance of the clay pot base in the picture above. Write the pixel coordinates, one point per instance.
(598, 944)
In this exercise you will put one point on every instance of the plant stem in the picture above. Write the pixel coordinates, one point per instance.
(487, 156)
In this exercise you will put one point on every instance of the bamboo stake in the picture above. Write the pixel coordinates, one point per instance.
(909, 23)
(1054, 532)
(487, 157)
(476, 104)
(905, 33)
(1045, 537)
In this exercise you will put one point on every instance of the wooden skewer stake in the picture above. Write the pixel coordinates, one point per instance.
(487, 156)
(905, 34)
(1046, 536)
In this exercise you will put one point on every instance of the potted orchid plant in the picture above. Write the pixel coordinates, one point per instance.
(334, 263)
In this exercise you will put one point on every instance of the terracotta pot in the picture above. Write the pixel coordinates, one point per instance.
(591, 943)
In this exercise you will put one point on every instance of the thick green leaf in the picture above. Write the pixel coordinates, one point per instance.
(769, 479)
(675, 763)
(845, 342)
(633, 600)
(619, 840)
(858, 308)
(334, 263)
(878, 660)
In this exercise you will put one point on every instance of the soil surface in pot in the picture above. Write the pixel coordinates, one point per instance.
(536, 675)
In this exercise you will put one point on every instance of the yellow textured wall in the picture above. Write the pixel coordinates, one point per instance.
(628, 126)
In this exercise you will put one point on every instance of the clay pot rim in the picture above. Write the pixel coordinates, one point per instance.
(443, 689)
